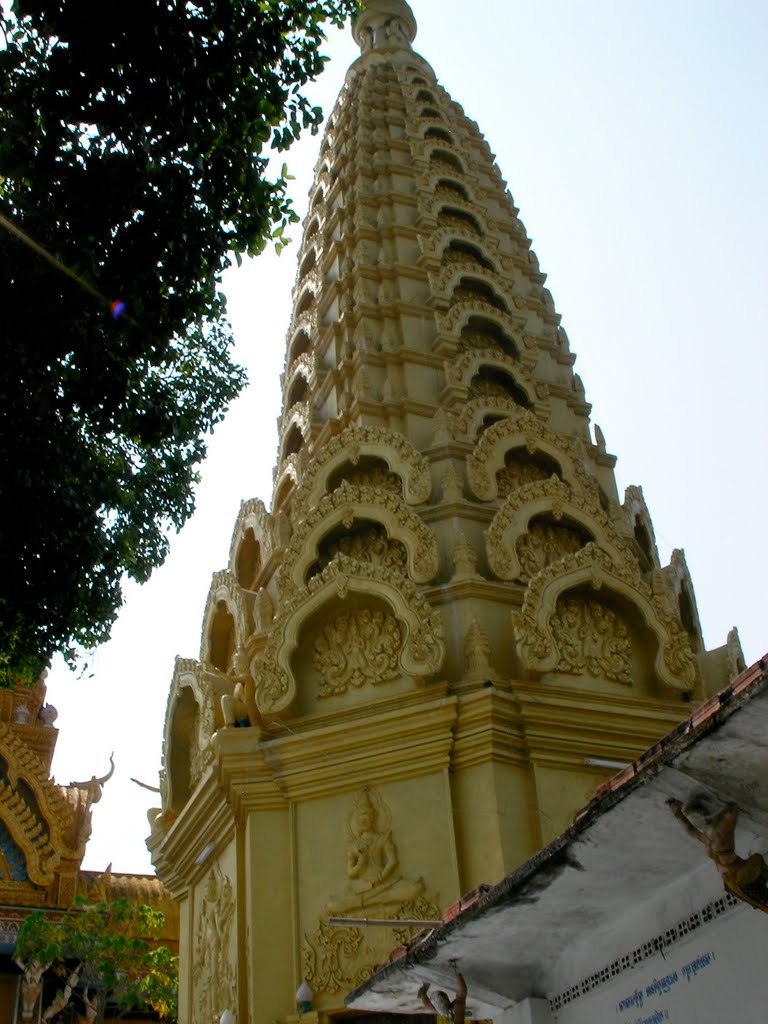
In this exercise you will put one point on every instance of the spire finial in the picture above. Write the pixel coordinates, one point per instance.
(384, 25)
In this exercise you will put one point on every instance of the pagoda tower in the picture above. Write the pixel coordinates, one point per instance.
(450, 627)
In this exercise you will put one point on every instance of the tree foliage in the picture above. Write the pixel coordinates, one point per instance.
(103, 955)
(133, 156)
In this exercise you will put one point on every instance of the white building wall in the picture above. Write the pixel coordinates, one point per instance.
(718, 975)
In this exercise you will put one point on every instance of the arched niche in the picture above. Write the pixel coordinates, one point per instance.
(366, 471)
(221, 637)
(423, 96)
(518, 431)
(454, 218)
(308, 263)
(317, 200)
(226, 622)
(461, 254)
(350, 585)
(541, 522)
(431, 112)
(183, 741)
(470, 289)
(639, 518)
(365, 540)
(442, 161)
(299, 345)
(349, 652)
(306, 302)
(248, 562)
(438, 134)
(251, 544)
(293, 442)
(497, 382)
(343, 508)
(542, 639)
(297, 392)
(480, 332)
(313, 227)
(357, 443)
(523, 466)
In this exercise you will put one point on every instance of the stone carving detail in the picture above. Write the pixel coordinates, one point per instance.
(676, 664)
(516, 474)
(376, 477)
(357, 648)
(373, 866)
(477, 651)
(336, 958)
(422, 653)
(464, 559)
(401, 457)
(348, 503)
(519, 427)
(460, 313)
(591, 639)
(543, 543)
(214, 981)
(367, 545)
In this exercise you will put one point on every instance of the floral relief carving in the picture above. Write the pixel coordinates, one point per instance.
(357, 648)
(591, 639)
(520, 428)
(367, 545)
(214, 977)
(675, 663)
(516, 474)
(457, 316)
(345, 505)
(422, 651)
(399, 454)
(543, 543)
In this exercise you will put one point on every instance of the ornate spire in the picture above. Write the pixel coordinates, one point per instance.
(384, 25)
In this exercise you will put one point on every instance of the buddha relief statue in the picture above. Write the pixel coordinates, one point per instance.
(373, 868)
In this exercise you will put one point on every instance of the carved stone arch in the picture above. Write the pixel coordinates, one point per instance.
(308, 263)
(641, 526)
(296, 431)
(424, 96)
(299, 344)
(378, 442)
(431, 113)
(437, 133)
(251, 544)
(346, 505)
(455, 218)
(520, 429)
(440, 161)
(682, 585)
(299, 389)
(306, 302)
(423, 648)
(226, 623)
(558, 501)
(459, 315)
(481, 332)
(467, 285)
(291, 471)
(591, 568)
(317, 200)
(490, 364)
(191, 718)
(312, 229)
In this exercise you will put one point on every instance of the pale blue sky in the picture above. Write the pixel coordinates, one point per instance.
(632, 136)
